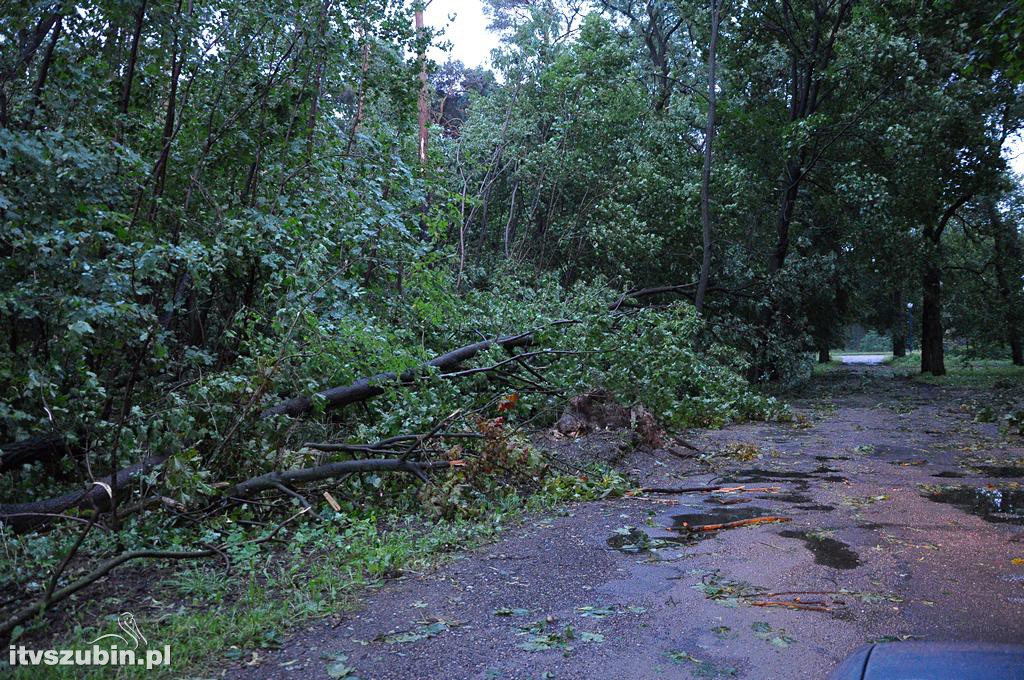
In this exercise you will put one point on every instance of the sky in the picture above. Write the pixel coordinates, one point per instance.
(471, 41)
(472, 44)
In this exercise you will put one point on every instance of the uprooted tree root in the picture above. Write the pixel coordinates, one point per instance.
(598, 410)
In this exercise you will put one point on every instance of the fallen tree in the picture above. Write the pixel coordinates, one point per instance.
(278, 479)
(47, 449)
(367, 388)
(688, 290)
(22, 517)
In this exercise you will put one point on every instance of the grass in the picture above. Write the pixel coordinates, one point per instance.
(825, 368)
(960, 371)
(210, 617)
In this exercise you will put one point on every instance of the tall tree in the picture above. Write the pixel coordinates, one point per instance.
(709, 141)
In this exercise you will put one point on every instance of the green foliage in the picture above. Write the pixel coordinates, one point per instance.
(211, 207)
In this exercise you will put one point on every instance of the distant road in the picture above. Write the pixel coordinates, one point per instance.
(872, 359)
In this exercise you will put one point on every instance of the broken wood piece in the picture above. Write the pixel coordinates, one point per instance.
(800, 606)
(738, 523)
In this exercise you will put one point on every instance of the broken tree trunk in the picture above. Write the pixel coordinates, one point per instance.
(686, 290)
(374, 386)
(22, 517)
(45, 449)
(275, 480)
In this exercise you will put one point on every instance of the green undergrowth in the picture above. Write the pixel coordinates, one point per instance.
(211, 616)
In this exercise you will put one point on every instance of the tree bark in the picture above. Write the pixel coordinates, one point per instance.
(897, 329)
(357, 120)
(47, 449)
(44, 69)
(274, 480)
(932, 351)
(709, 139)
(808, 64)
(27, 48)
(787, 205)
(824, 355)
(25, 516)
(423, 103)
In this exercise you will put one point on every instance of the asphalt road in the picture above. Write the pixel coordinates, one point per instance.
(863, 556)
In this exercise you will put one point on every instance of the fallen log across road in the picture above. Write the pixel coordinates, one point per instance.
(374, 386)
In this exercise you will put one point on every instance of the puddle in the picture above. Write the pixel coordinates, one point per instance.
(787, 498)
(825, 459)
(800, 481)
(993, 471)
(872, 526)
(756, 475)
(992, 504)
(680, 523)
(635, 541)
(797, 479)
(717, 516)
(827, 551)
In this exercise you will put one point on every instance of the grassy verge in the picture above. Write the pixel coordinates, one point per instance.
(209, 616)
(960, 371)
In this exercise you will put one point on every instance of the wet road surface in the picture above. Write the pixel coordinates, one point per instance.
(902, 521)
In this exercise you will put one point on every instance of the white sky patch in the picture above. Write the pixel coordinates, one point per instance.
(471, 41)
(1013, 151)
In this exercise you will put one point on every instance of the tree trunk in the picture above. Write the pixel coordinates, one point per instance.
(423, 103)
(1005, 248)
(44, 70)
(898, 327)
(318, 85)
(932, 353)
(129, 74)
(28, 44)
(172, 103)
(364, 69)
(824, 355)
(787, 205)
(709, 138)
(899, 343)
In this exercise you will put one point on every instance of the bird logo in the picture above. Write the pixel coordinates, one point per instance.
(126, 623)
